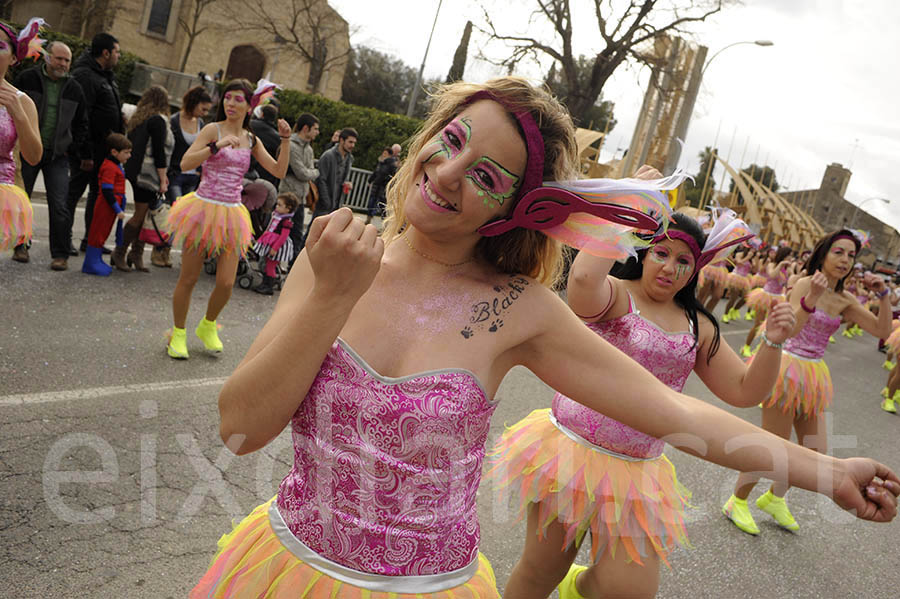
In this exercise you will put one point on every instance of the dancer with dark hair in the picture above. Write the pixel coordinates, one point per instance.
(577, 471)
(383, 354)
(804, 390)
(739, 283)
(212, 222)
(761, 300)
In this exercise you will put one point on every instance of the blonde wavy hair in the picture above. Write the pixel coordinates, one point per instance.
(520, 251)
(154, 101)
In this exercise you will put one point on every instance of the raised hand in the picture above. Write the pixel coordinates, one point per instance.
(229, 140)
(284, 130)
(867, 489)
(874, 282)
(647, 173)
(817, 286)
(780, 322)
(344, 253)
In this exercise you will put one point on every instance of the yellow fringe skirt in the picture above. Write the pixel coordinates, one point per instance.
(252, 563)
(803, 387)
(630, 506)
(16, 216)
(739, 282)
(716, 274)
(210, 227)
(762, 301)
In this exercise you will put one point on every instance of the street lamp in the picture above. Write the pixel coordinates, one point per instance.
(856, 211)
(757, 43)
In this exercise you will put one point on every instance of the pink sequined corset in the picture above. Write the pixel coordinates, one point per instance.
(223, 175)
(8, 136)
(742, 269)
(386, 469)
(669, 357)
(774, 286)
(812, 340)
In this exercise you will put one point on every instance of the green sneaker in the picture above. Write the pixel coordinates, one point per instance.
(209, 335)
(777, 508)
(885, 393)
(566, 588)
(831, 340)
(750, 315)
(746, 351)
(888, 405)
(888, 365)
(736, 510)
(726, 318)
(178, 344)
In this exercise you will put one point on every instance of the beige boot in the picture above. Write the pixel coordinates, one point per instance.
(136, 256)
(118, 259)
(167, 257)
(157, 257)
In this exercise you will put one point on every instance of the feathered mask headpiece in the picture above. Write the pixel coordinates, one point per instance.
(26, 44)
(265, 90)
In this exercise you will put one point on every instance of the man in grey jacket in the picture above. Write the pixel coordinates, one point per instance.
(334, 172)
(301, 171)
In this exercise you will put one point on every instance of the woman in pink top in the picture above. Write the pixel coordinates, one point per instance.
(211, 221)
(803, 389)
(383, 355)
(761, 300)
(576, 470)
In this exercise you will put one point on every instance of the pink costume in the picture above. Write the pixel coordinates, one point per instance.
(739, 278)
(591, 472)
(212, 218)
(804, 384)
(276, 237)
(15, 208)
(763, 300)
(381, 497)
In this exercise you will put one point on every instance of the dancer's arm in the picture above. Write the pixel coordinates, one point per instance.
(260, 397)
(729, 377)
(590, 291)
(200, 150)
(879, 326)
(576, 362)
(277, 168)
(24, 114)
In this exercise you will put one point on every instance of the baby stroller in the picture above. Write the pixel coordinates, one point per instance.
(257, 196)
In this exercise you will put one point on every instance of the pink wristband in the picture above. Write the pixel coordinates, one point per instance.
(805, 307)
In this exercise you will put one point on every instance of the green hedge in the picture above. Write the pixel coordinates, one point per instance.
(124, 70)
(376, 129)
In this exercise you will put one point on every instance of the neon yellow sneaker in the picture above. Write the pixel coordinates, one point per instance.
(209, 335)
(885, 393)
(888, 405)
(726, 318)
(746, 351)
(831, 339)
(888, 365)
(736, 510)
(751, 315)
(777, 508)
(857, 330)
(847, 333)
(177, 347)
(566, 588)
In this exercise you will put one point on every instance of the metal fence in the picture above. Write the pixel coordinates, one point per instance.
(358, 198)
(175, 82)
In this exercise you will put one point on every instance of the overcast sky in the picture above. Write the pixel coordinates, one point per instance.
(828, 90)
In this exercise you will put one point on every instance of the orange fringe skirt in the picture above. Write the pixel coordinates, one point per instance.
(803, 387)
(16, 216)
(762, 301)
(893, 340)
(210, 227)
(252, 563)
(630, 506)
(716, 274)
(739, 282)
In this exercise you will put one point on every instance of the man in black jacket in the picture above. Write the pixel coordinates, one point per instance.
(94, 72)
(61, 115)
(265, 129)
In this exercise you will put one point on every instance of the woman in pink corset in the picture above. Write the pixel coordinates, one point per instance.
(383, 355)
(577, 471)
(211, 222)
(803, 389)
(761, 300)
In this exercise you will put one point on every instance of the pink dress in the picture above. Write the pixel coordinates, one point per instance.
(804, 386)
(381, 496)
(16, 214)
(591, 472)
(764, 299)
(739, 278)
(212, 219)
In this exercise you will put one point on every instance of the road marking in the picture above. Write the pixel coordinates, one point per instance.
(95, 392)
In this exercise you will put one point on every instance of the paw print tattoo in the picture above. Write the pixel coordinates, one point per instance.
(495, 325)
(466, 332)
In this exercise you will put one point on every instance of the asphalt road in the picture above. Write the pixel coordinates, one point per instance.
(114, 483)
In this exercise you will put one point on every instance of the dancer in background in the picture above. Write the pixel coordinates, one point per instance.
(804, 388)
(212, 222)
(739, 283)
(760, 301)
(383, 354)
(18, 123)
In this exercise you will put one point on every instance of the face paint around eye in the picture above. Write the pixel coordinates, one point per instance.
(659, 256)
(5, 48)
(451, 141)
(503, 184)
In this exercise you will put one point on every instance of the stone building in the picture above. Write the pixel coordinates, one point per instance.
(829, 208)
(228, 40)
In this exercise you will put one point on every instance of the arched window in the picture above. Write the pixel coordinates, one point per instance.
(158, 20)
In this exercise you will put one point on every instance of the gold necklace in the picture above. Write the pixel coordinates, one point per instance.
(435, 260)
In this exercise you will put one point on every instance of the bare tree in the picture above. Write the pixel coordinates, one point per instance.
(308, 29)
(191, 26)
(624, 35)
(95, 15)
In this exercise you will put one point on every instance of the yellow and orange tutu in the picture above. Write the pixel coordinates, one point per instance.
(803, 387)
(739, 282)
(762, 301)
(16, 216)
(635, 506)
(252, 562)
(716, 274)
(893, 340)
(210, 227)
(757, 281)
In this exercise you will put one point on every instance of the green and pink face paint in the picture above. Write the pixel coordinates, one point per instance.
(494, 183)
(684, 262)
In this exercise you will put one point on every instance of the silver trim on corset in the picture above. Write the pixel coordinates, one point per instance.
(429, 583)
(582, 441)
(218, 202)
